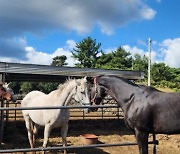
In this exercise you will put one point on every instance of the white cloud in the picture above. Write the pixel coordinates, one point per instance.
(39, 57)
(135, 50)
(147, 13)
(168, 52)
(79, 15)
(61, 51)
(171, 50)
(38, 17)
(71, 44)
(9, 59)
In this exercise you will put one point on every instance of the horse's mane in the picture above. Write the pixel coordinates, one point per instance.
(124, 80)
(149, 89)
(63, 85)
(129, 82)
(66, 83)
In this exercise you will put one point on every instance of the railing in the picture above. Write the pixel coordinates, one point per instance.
(155, 142)
(73, 147)
(113, 111)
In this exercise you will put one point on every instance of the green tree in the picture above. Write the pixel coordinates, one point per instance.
(175, 79)
(26, 87)
(59, 61)
(47, 87)
(104, 61)
(86, 52)
(141, 64)
(16, 87)
(121, 59)
(118, 59)
(160, 72)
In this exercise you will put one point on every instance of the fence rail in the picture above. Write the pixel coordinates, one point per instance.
(56, 107)
(74, 147)
(154, 142)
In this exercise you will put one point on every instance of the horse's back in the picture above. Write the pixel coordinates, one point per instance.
(41, 117)
(166, 99)
(166, 113)
(32, 97)
(156, 111)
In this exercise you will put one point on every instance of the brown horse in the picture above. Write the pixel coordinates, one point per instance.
(146, 110)
(7, 93)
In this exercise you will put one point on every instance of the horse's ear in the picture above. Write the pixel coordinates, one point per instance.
(7, 84)
(85, 79)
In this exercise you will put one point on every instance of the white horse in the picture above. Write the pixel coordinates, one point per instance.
(51, 118)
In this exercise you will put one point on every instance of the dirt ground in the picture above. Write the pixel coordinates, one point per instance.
(108, 130)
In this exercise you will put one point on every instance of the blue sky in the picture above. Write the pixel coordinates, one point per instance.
(35, 31)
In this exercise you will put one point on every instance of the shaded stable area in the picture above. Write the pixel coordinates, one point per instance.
(10, 72)
(45, 73)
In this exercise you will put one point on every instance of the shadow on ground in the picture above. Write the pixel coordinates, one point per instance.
(15, 133)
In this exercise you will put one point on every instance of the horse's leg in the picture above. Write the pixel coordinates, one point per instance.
(142, 140)
(64, 130)
(47, 131)
(28, 123)
(35, 131)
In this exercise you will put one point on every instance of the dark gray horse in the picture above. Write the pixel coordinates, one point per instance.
(146, 109)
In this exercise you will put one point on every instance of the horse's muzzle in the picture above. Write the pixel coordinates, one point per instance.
(13, 98)
(86, 110)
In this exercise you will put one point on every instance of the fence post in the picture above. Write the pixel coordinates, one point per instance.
(102, 115)
(1, 113)
(1, 122)
(118, 112)
(154, 143)
(7, 112)
(83, 118)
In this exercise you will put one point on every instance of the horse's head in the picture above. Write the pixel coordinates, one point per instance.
(81, 93)
(97, 93)
(7, 93)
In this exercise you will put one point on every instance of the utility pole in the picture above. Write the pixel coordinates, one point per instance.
(149, 62)
(132, 64)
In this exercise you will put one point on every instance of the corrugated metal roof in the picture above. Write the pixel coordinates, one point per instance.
(31, 72)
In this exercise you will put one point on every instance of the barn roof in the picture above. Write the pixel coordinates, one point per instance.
(47, 73)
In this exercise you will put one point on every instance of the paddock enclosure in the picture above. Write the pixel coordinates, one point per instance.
(107, 122)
